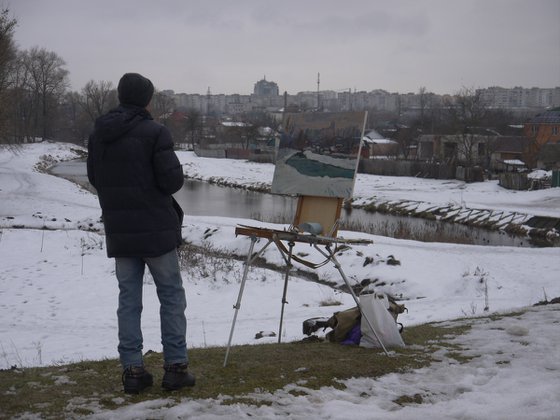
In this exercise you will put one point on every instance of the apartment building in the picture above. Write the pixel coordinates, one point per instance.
(266, 96)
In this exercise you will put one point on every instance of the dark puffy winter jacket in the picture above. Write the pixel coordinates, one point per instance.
(134, 169)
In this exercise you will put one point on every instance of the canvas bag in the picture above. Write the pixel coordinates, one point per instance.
(375, 308)
(342, 323)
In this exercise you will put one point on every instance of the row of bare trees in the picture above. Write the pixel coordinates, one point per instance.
(36, 103)
(32, 85)
(37, 83)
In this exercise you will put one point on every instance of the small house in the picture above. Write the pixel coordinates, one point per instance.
(508, 153)
(379, 147)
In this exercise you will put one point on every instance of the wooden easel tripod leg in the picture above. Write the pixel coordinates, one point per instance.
(250, 259)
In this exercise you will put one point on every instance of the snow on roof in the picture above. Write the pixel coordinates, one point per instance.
(265, 130)
(514, 162)
(372, 134)
(373, 137)
(378, 141)
(234, 124)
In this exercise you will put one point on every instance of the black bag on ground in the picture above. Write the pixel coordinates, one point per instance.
(341, 323)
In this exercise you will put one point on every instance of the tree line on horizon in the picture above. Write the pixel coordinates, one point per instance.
(36, 102)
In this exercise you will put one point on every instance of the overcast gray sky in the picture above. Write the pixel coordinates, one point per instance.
(228, 45)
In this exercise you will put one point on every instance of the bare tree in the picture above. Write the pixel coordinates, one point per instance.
(194, 125)
(74, 122)
(164, 110)
(427, 103)
(467, 112)
(161, 107)
(7, 56)
(177, 122)
(7, 47)
(406, 137)
(251, 135)
(98, 98)
(22, 105)
(48, 81)
(470, 106)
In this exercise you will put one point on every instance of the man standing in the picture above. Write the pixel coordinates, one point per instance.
(132, 165)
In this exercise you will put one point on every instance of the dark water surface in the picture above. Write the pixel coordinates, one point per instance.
(203, 199)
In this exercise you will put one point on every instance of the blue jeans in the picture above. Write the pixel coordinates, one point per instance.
(169, 285)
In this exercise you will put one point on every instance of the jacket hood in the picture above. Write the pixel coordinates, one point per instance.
(119, 121)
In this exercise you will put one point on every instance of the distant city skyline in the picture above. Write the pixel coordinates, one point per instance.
(360, 45)
(313, 91)
(268, 98)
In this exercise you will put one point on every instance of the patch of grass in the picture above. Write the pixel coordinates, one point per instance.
(206, 261)
(409, 399)
(455, 355)
(72, 390)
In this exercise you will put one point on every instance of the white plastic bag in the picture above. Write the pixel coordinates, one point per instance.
(374, 307)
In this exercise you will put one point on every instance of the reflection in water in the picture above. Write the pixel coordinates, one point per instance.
(203, 199)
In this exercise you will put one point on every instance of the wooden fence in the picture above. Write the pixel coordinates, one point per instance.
(254, 155)
(407, 168)
(514, 181)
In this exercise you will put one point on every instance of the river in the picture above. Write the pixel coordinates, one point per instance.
(199, 198)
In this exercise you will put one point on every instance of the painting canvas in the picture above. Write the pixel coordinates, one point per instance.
(318, 154)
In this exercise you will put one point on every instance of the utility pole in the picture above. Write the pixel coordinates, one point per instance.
(208, 100)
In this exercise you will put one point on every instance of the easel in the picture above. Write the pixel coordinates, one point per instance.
(315, 223)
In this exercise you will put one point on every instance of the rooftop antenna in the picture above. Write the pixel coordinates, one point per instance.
(318, 87)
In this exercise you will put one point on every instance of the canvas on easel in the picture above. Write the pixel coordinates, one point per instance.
(318, 154)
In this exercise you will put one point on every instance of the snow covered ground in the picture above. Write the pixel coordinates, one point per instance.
(58, 296)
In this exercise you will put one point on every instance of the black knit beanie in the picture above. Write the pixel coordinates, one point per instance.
(135, 89)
